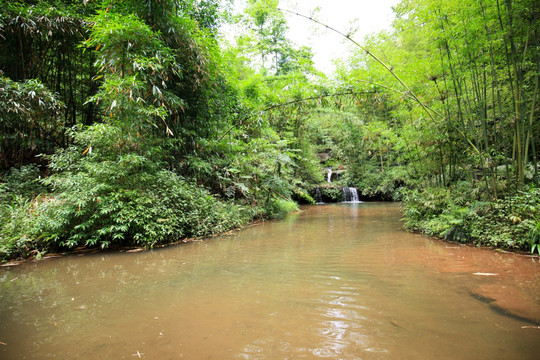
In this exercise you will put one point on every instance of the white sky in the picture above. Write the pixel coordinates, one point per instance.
(366, 16)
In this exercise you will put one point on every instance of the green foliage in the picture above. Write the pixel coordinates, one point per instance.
(331, 193)
(39, 41)
(22, 182)
(30, 121)
(106, 194)
(19, 227)
(534, 237)
(160, 95)
(510, 223)
(277, 208)
(303, 197)
(162, 208)
(135, 63)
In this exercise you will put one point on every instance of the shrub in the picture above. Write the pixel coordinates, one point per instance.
(18, 227)
(303, 197)
(332, 194)
(510, 223)
(277, 208)
(376, 184)
(23, 181)
(163, 209)
(534, 237)
(148, 209)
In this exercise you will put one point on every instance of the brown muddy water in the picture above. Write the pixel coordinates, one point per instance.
(340, 281)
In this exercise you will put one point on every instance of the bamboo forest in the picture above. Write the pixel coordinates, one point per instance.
(212, 179)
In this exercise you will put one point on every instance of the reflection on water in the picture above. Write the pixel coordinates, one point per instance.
(340, 281)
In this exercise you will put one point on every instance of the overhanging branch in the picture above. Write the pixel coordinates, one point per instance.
(296, 101)
(382, 63)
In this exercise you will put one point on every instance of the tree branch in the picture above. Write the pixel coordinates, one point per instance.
(295, 102)
(348, 37)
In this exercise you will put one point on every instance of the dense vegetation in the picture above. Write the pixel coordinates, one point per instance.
(134, 123)
(462, 92)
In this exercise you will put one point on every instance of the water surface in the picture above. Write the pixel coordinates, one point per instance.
(341, 281)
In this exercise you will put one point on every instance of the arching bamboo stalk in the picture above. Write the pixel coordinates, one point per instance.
(382, 63)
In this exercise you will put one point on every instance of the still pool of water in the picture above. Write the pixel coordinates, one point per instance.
(340, 281)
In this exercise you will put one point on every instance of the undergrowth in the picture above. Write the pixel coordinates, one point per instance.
(512, 222)
(160, 209)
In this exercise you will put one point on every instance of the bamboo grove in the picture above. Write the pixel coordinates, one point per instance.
(475, 66)
(475, 63)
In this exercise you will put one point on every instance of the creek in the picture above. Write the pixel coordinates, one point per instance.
(338, 281)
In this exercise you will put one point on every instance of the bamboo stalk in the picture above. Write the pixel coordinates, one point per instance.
(383, 64)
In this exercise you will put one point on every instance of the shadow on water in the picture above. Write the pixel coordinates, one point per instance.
(340, 281)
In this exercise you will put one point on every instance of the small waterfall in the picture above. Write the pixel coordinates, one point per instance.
(318, 196)
(350, 194)
(329, 176)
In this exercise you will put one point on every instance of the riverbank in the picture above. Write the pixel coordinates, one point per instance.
(442, 227)
(508, 223)
(40, 252)
(145, 209)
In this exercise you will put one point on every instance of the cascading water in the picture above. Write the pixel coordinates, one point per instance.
(318, 196)
(329, 176)
(350, 194)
